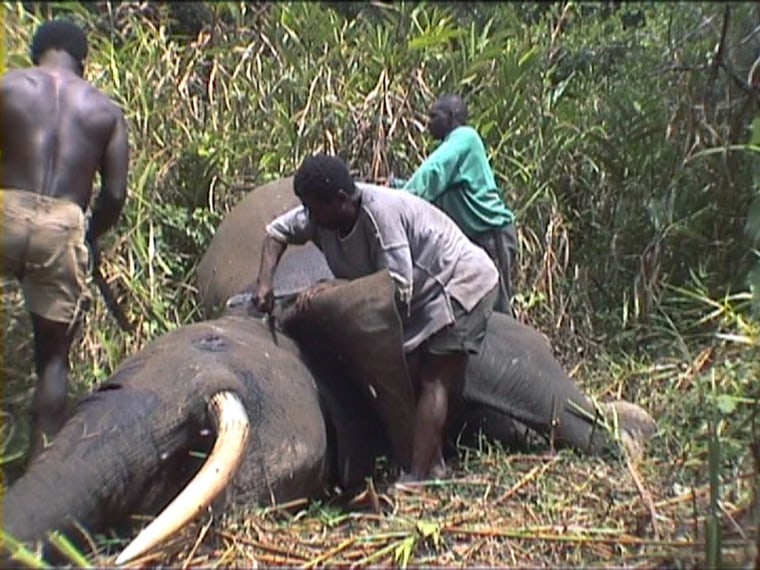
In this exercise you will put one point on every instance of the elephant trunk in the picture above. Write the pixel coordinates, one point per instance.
(232, 427)
(98, 466)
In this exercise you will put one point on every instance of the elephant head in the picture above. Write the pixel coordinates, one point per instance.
(276, 424)
(132, 442)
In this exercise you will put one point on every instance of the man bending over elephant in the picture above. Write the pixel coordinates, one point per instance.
(457, 178)
(446, 286)
(58, 130)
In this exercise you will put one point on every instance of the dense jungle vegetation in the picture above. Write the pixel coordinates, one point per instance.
(624, 135)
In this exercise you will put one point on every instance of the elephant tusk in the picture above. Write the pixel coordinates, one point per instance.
(232, 425)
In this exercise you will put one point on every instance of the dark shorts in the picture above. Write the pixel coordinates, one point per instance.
(469, 329)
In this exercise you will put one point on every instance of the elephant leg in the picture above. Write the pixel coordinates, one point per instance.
(516, 375)
(474, 421)
(551, 406)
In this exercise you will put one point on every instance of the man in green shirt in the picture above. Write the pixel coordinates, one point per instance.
(457, 177)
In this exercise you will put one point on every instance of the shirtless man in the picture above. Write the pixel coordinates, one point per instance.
(58, 131)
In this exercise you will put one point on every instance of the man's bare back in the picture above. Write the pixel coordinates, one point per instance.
(58, 132)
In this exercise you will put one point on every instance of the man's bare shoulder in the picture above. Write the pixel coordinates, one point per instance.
(19, 78)
(102, 98)
(34, 78)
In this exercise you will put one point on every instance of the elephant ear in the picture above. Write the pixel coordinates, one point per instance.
(357, 326)
(231, 263)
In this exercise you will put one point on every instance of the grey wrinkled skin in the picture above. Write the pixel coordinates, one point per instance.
(130, 445)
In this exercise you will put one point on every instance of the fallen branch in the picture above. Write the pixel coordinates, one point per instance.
(201, 536)
(289, 556)
(330, 553)
(528, 534)
(645, 496)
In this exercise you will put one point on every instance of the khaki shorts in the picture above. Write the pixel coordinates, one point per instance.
(43, 247)
(469, 329)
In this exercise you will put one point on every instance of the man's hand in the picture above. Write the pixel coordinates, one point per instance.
(263, 292)
(304, 299)
(263, 297)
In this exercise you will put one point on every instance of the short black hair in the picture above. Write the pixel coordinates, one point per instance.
(60, 34)
(456, 106)
(321, 176)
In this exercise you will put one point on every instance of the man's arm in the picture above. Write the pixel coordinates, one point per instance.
(390, 249)
(437, 173)
(271, 253)
(292, 227)
(113, 174)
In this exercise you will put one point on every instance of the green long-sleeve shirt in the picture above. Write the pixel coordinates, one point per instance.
(458, 179)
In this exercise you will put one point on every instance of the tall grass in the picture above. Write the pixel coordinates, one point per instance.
(588, 144)
(612, 131)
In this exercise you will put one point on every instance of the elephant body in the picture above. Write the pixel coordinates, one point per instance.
(316, 391)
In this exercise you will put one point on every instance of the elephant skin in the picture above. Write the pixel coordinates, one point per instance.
(230, 265)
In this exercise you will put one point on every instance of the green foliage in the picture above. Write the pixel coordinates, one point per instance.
(622, 136)
(600, 123)
(19, 553)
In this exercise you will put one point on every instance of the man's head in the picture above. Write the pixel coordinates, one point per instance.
(60, 35)
(446, 114)
(325, 187)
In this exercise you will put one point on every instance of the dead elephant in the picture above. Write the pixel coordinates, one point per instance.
(280, 419)
(282, 424)
(515, 383)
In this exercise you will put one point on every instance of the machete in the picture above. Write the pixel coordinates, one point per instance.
(270, 320)
(110, 300)
(108, 297)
